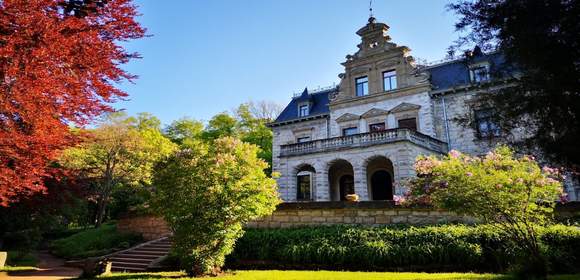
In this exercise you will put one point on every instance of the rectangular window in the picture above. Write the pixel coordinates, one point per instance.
(303, 139)
(362, 86)
(479, 74)
(303, 187)
(390, 80)
(377, 127)
(349, 131)
(486, 126)
(410, 123)
(303, 111)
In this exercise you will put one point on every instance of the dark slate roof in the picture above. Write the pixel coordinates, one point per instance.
(318, 101)
(443, 76)
(456, 73)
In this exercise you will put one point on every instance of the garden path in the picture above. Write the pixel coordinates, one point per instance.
(49, 268)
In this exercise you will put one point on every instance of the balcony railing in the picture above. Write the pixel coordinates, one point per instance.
(363, 140)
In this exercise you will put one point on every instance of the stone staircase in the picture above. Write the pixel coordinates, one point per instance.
(140, 257)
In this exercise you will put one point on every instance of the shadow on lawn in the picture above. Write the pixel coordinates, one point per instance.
(134, 276)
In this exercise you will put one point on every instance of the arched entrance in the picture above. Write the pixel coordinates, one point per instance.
(380, 178)
(381, 185)
(305, 178)
(346, 185)
(340, 179)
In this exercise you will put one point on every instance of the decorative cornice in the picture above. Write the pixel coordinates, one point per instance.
(347, 117)
(374, 112)
(405, 107)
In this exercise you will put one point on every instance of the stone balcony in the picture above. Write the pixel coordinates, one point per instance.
(364, 140)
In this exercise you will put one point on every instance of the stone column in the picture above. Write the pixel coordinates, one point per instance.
(322, 186)
(360, 181)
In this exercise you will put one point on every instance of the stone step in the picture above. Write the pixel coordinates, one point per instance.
(136, 256)
(148, 252)
(131, 260)
(131, 264)
(138, 259)
(157, 247)
(147, 248)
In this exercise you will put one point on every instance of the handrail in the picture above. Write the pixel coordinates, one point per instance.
(365, 139)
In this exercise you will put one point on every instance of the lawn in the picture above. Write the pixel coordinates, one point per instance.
(93, 242)
(319, 275)
(9, 268)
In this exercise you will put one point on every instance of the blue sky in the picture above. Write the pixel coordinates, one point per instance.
(208, 56)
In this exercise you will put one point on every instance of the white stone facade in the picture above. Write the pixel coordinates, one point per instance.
(364, 138)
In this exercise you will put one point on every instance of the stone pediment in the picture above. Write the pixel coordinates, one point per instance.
(347, 117)
(374, 112)
(405, 107)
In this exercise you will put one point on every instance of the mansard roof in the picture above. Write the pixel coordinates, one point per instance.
(456, 73)
(318, 106)
(443, 77)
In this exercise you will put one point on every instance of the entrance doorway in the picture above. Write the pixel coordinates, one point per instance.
(346, 186)
(381, 185)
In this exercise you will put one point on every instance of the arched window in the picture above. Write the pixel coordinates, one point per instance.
(305, 181)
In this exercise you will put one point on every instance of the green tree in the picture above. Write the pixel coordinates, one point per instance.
(514, 194)
(541, 39)
(120, 151)
(184, 130)
(206, 193)
(221, 125)
(254, 131)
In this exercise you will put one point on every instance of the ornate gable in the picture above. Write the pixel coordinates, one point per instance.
(347, 117)
(374, 112)
(405, 107)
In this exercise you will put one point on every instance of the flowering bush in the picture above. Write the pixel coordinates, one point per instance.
(512, 193)
(206, 193)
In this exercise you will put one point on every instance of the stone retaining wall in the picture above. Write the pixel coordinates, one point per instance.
(360, 213)
(294, 214)
(149, 226)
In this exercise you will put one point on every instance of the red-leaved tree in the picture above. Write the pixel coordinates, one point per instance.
(59, 65)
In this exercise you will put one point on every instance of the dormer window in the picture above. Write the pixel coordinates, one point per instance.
(390, 80)
(362, 86)
(303, 110)
(480, 74)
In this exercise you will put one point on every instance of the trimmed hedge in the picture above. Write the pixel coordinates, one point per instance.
(431, 248)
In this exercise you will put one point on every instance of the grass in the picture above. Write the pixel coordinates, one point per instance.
(21, 259)
(9, 268)
(319, 275)
(93, 242)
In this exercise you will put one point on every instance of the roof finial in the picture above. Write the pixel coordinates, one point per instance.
(371, 17)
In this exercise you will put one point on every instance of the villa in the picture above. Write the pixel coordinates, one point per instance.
(362, 136)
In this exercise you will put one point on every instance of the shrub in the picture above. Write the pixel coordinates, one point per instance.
(93, 242)
(20, 258)
(23, 240)
(441, 248)
(206, 193)
(513, 193)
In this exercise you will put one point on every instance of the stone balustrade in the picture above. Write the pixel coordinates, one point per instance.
(363, 140)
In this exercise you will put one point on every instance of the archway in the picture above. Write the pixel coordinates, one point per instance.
(381, 185)
(340, 179)
(380, 178)
(305, 178)
(346, 186)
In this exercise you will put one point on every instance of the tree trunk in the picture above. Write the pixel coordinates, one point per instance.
(102, 206)
(100, 212)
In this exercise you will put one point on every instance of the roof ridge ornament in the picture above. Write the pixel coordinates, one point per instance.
(372, 19)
